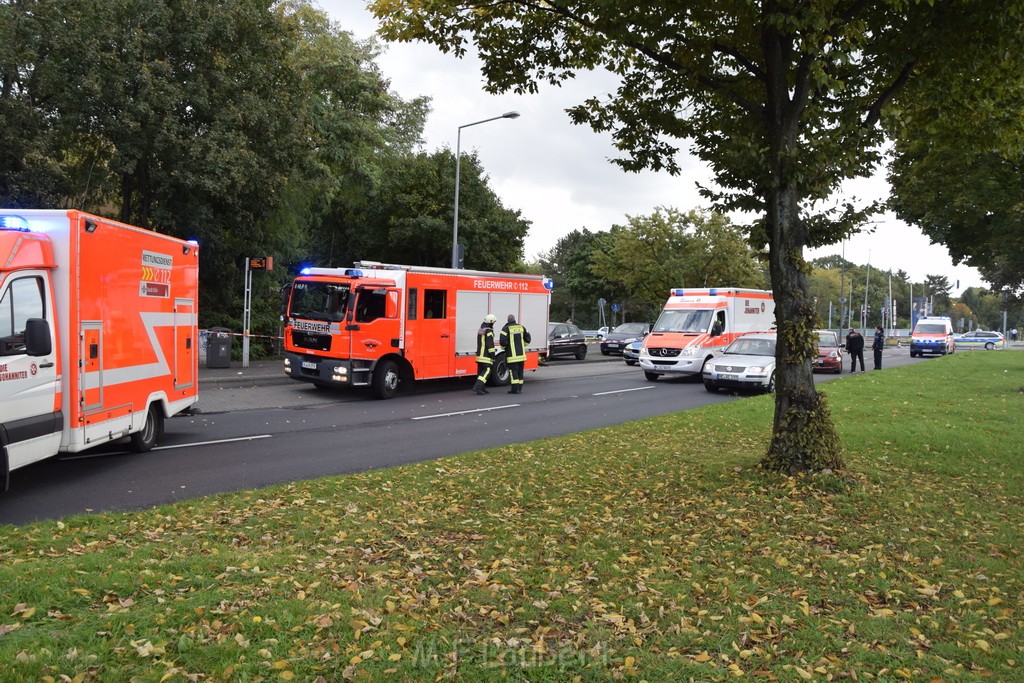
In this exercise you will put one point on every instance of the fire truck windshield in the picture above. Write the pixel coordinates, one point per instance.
(319, 301)
(683, 321)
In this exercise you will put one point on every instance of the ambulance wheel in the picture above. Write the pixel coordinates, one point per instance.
(501, 376)
(652, 376)
(386, 380)
(144, 440)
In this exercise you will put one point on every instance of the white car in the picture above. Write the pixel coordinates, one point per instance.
(747, 363)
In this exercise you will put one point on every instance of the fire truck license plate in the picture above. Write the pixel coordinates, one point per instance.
(308, 365)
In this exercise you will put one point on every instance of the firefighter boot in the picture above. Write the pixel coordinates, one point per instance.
(479, 388)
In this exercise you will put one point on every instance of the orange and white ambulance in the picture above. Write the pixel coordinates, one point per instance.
(377, 325)
(698, 323)
(98, 333)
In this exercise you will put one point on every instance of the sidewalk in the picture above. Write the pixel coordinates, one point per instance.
(259, 372)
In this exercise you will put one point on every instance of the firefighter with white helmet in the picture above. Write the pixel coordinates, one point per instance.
(485, 353)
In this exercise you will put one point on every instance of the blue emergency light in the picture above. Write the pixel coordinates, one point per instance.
(353, 272)
(14, 223)
(675, 292)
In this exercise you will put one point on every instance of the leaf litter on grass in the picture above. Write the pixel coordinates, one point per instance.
(629, 552)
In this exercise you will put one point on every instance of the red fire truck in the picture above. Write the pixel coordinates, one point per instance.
(377, 325)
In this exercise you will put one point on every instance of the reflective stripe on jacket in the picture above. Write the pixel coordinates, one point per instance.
(514, 339)
(485, 345)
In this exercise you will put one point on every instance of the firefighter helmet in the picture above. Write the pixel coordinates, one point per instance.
(489, 318)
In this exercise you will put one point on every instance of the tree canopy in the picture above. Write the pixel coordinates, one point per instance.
(652, 254)
(958, 168)
(255, 127)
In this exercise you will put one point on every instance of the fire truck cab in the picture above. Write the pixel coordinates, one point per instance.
(377, 325)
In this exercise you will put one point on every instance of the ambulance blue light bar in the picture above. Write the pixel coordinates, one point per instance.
(14, 223)
(682, 292)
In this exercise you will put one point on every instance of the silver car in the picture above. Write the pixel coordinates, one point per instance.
(747, 363)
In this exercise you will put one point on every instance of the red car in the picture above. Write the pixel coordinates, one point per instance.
(830, 352)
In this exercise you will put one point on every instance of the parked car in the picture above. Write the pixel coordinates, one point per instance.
(565, 339)
(631, 354)
(595, 334)
(747, 363)
(830, 352)
(981, 339)
(626, 333)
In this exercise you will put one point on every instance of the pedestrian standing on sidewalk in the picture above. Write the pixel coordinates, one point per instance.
(877, 345)
(855, 346)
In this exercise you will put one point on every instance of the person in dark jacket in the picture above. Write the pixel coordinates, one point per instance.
(855, 346)
(514, 338)
(485, 353)
(877, 344)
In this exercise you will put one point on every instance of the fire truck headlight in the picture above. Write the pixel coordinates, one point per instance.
(339, 374)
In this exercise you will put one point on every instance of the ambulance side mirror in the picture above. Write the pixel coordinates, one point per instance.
(37, 337)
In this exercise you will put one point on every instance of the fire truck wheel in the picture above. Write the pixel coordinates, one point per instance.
(386, 380)
(500, 374)
(146, 438)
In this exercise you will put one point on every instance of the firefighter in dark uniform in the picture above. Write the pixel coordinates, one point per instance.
(485, 353)
(514, 338)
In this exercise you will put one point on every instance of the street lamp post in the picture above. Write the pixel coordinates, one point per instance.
(458, 159)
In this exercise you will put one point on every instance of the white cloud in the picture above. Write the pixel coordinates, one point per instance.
(559, 175)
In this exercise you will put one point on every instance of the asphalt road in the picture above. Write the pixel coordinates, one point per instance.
(251, 435)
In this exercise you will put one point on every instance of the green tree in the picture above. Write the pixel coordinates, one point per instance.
(409, 217)
(938, 288)
(652, 254)
(782, 100)
(577, 290)
(958, 168)
(240, 124)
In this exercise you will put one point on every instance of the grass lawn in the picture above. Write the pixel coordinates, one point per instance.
(655, 550)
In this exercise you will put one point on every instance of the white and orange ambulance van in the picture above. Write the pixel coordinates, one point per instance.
(697, 323)
(377, 325)
(98, 333)
(932, 334)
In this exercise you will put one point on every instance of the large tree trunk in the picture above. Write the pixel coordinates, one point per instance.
(804, 438)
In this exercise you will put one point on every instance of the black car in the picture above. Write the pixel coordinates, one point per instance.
(565, 339)
(622, 336)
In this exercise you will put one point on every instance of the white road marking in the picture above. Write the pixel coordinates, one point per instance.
(620, 391)
(466, 412)
(210, 443)
(90, 454)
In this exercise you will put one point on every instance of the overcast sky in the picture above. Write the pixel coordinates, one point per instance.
(559, 175)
